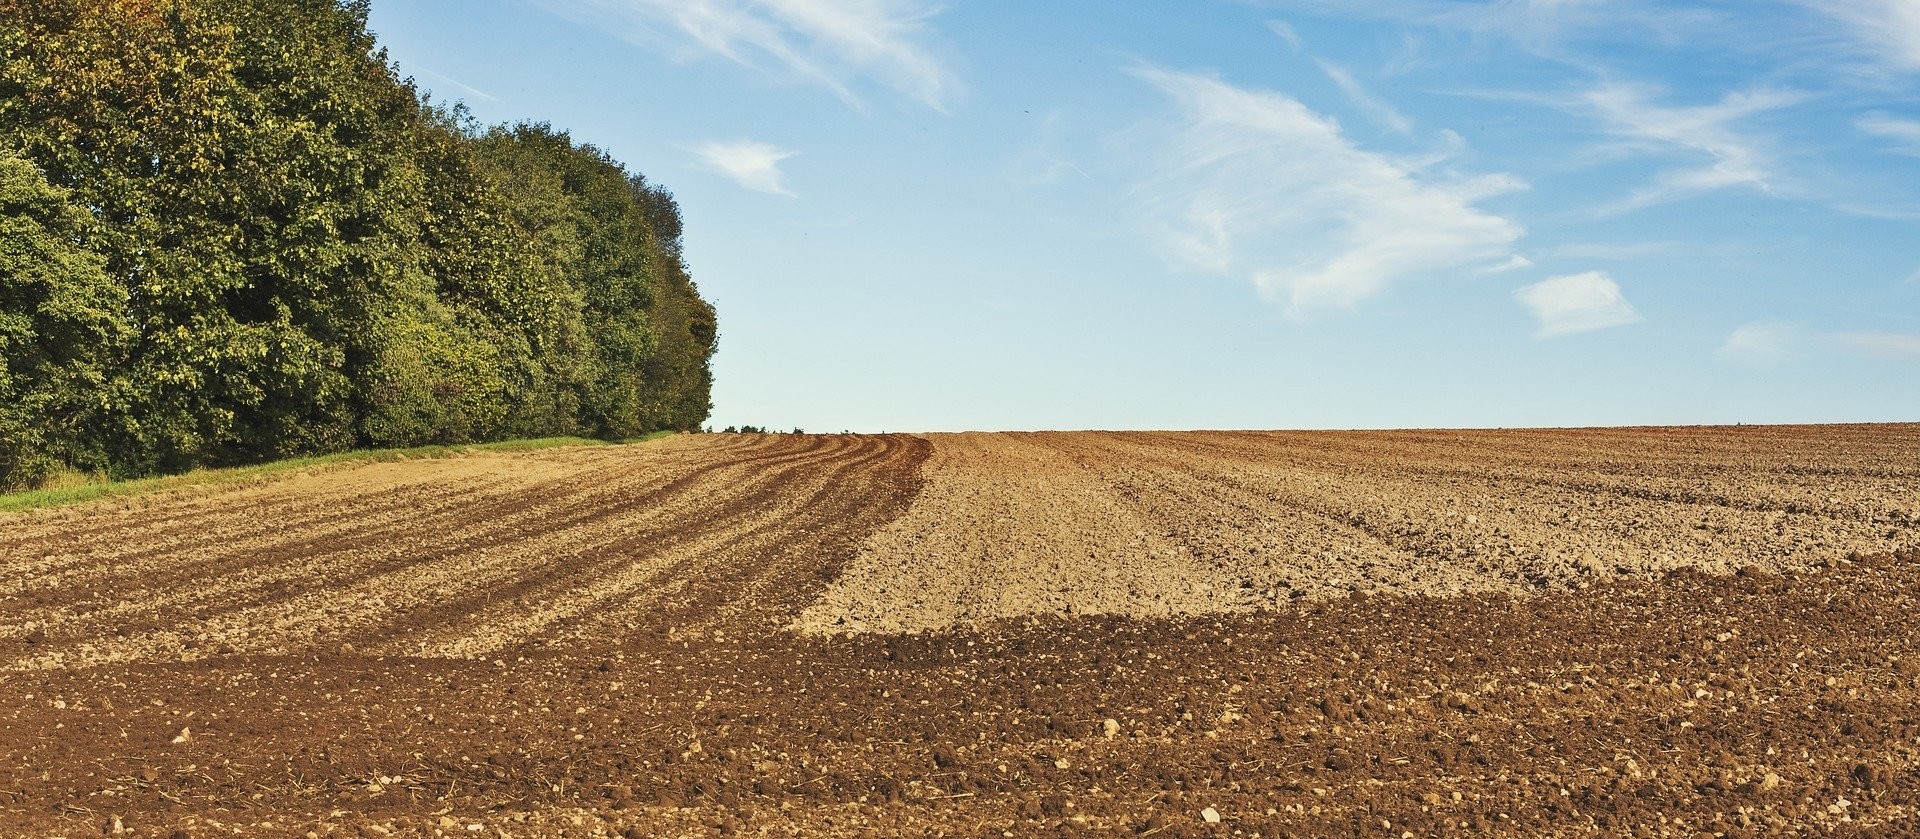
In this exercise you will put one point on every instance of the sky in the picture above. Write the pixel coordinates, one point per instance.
(1174, 214)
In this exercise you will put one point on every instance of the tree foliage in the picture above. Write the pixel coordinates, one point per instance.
(234, 233)
(60, 320)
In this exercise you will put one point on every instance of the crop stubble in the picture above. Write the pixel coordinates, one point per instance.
(1442, 633)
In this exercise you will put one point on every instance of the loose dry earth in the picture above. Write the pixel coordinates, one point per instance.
(1618, 632)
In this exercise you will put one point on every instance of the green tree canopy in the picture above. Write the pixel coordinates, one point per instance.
(308, 256)
(62, 323)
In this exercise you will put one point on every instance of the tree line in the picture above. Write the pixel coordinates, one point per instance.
(231, 232)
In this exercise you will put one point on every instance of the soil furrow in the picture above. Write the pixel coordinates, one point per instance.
(324, 589)
(1203, 634)
(734, 511)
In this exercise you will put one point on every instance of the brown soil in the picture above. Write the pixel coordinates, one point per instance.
(593, 641)
(1011, 525)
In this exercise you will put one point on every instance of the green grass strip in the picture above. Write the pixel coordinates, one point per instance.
(34, 499)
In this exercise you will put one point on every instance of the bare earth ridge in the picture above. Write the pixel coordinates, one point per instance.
(1615, 632)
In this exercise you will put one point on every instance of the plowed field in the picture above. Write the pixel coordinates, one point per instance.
(1675, 632)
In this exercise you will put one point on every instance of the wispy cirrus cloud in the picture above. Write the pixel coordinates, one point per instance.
(1541, 26)
(1517, 262)
(1891, 346)
(455, 83)
(1888, 30)
(827, 42)
(1046, 161)
(751, 164)
(1287, 33)
(1369, 105)
(1372, 106)
(1252, 183)
(1613, 251)
(1762, 343)
(1732, 158)
(1904, 132)
(1577, 303)
(1773, 342)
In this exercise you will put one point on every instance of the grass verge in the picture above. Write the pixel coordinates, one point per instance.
(91, 490)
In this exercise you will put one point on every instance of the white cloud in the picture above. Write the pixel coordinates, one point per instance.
(1513, 263)
(1770, 342)
(1613, 251)
(755, 166)
(1906, 132)
(1372, 107)
(1577, 303)
(1891, 346)
(469, 89)
(1252, 183)
(1889, 29)
(1540, 26)
(1535, 23)
(1045, 162)
(1733, 160)
(1286, 33)
(1762, 343)
(827, 42)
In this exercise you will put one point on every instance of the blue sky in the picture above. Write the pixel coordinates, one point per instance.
(1283, 214)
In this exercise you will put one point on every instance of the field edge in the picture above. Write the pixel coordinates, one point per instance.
(39, 499)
